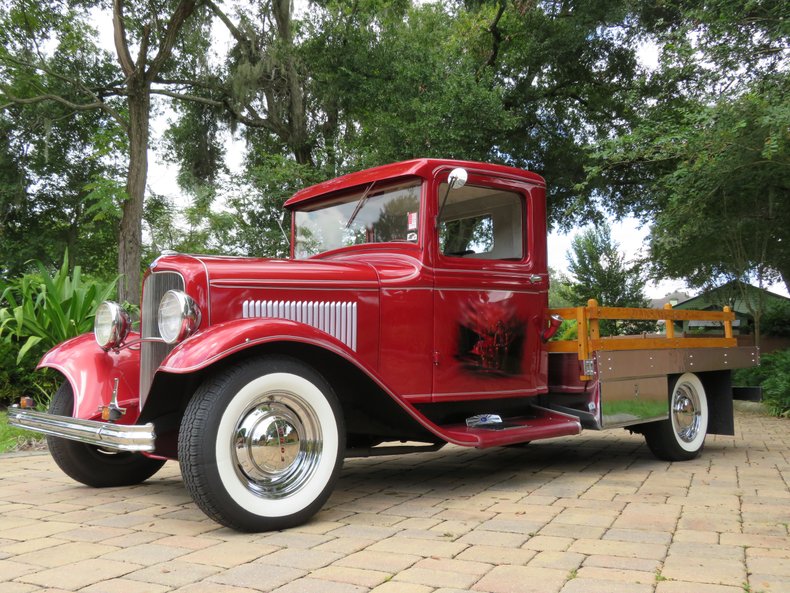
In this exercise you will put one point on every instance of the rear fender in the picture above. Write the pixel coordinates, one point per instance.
(92, 371)
(225, 339)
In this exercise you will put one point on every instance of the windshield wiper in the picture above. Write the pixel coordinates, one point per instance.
(361, 203)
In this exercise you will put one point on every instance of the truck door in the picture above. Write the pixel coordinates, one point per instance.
(490, 289)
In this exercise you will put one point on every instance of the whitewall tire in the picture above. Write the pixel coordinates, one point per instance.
(682, 435)
(262, 443)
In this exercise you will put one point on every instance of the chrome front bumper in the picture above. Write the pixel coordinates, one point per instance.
(118, 437)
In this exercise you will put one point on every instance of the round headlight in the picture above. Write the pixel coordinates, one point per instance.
(179, 316)
(110, 325)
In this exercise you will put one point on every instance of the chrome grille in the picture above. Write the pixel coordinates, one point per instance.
(338, 319)
(153, 353)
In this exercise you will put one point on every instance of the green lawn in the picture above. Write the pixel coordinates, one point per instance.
(12, 438)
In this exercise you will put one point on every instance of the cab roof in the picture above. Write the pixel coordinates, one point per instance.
(425, 168)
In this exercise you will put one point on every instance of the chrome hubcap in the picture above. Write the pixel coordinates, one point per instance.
(276, 445)
(686, 412)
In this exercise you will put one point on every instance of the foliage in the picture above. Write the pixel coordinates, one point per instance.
(754, 376)
(260, 225)
(364, 83)
(559, 290)
(776, 320)
(773, 375)
(724, 209)
(20, 379)
(599, 271)
(54, 176)
(43, 310)
(572, 79)
(776, 388)
(51, 58)
(708, 158)
(699, 143)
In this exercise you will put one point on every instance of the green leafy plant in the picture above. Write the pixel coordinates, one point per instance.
(45, 310)
(776, 388)
(773, 375)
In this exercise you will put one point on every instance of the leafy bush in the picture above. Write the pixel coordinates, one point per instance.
(37, 312)
(773, 375)
(47, 310)
(776, 320)
(776, 388)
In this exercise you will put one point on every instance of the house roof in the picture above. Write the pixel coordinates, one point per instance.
(738, 295)
(675, 297)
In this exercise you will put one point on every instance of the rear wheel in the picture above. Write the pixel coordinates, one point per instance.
(261, 444)
(92, 465)
(682, 436)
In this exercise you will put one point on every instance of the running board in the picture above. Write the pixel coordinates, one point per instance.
(541, 423)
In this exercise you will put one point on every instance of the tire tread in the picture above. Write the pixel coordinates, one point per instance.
(83, 463)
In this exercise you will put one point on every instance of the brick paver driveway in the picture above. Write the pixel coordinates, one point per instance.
(595, 513)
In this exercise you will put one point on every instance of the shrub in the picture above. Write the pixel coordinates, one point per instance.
(776, 388)
(37, 312)
(48, 310)
(773, 375)
(776, 320)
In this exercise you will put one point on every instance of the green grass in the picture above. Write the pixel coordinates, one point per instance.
(13, 438)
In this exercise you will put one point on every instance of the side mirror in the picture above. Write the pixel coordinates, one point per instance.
(457, 178)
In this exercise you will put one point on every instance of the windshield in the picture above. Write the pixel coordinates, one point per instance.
(372, 214)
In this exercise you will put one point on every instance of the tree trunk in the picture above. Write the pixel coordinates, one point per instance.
(131, 232)
(139, 76)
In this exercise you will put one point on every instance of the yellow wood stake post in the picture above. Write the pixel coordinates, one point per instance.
(595, 326)
(669, 324)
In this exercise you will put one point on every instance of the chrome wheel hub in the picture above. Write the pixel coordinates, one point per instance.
(276, 445)
(686, 412)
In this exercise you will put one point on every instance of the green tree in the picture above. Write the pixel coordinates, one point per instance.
(599, 271)
(55, 204)
(708, 160)
(365, 83)
(32, 74)
(570, 77)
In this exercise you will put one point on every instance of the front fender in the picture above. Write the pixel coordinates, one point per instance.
(92, 371)
(221, 340)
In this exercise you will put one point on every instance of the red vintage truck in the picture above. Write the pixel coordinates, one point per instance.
(413, 312)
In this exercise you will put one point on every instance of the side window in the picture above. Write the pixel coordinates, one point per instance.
(481, 223)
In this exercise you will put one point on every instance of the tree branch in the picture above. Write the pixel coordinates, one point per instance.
(496, 34)
(119, 36)
(142, 53)
(255, 121)
(182, 12)
(234, 30)
(97, 103)
(50, 97)
(188, 97)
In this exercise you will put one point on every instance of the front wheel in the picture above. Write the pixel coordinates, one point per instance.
(92, 465)
(261, 444)
(682, 436)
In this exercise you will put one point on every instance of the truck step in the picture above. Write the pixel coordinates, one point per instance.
(541, 423)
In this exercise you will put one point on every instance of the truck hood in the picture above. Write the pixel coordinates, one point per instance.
(224, 272)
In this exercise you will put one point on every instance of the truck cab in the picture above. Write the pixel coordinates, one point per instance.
(412, 313)
(461, 269)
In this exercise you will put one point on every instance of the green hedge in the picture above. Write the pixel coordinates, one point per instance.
(773, 375)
